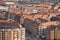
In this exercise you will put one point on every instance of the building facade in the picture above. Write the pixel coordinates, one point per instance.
(11, 31)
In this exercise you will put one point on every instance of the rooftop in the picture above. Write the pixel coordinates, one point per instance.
(8, 24)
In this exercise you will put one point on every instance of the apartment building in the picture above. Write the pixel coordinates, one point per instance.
(51, 30)
(11, 30)
(43, 7)
(32, 25)
(36, 6)
(35, 28)
(20, 16)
